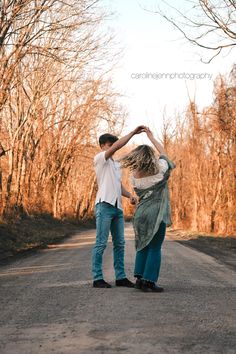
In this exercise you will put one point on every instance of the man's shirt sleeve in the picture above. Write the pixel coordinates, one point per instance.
(99, 159)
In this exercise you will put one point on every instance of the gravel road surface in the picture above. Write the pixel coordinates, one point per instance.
(49, 306)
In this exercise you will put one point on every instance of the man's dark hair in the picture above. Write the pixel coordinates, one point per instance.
(107, 138)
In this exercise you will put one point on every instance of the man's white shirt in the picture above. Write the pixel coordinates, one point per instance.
(108, 174)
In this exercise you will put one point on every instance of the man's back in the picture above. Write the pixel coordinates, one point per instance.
(109, 180)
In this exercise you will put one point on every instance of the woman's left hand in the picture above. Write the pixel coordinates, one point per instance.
(149, 132)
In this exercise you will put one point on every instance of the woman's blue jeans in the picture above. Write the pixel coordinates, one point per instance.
(109, 218)
(148, 260)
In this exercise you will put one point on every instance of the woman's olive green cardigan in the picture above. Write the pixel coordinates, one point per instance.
(152, 209)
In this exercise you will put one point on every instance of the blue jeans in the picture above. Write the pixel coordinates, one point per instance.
(148, 260)
(109, 218)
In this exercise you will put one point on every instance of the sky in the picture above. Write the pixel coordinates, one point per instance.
(154, 60)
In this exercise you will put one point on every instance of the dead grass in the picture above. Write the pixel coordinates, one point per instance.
(38, 231)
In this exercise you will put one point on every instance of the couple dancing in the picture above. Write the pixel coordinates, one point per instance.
(151, 171)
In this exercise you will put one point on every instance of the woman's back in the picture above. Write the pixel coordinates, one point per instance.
(142, 180)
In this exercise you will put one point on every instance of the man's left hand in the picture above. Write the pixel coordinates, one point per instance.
(132, 200)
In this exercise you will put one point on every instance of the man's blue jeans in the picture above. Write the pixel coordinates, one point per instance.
(109, 218)
(148, 260)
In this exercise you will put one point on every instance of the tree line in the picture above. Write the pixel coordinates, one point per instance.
(203, 187)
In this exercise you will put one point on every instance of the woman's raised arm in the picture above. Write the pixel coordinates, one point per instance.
(157, 145)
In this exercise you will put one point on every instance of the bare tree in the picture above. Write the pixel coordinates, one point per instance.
(209, 24)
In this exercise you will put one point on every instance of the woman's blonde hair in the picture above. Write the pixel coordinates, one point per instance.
(141, 159)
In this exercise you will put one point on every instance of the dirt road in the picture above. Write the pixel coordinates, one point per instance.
(48, 304)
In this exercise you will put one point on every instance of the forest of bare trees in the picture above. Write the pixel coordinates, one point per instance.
(55, 98)
(203, 146)
(54, 95)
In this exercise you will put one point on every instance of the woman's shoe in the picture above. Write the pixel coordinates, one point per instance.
(124, 282)
(149, 286)
(138, 284)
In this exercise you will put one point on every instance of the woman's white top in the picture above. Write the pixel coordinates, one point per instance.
(148, 181)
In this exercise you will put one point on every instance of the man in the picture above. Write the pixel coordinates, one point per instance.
(108, 208)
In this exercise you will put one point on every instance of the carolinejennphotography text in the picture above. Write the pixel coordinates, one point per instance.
(171, 76)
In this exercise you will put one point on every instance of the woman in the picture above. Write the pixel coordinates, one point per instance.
(152, 215)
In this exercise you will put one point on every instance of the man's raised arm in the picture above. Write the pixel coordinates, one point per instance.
(123, 141)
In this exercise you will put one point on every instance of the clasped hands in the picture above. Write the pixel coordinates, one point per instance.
(141, 129)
